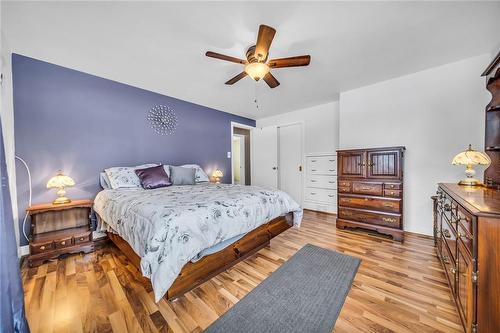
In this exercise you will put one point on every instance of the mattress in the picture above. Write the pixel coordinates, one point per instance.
(168, 227)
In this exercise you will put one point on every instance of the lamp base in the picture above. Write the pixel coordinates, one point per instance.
(61, 200)
(470, 182)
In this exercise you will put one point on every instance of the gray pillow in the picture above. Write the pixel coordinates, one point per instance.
(182, 176)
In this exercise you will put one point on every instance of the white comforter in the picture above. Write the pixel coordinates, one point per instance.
(169, 226)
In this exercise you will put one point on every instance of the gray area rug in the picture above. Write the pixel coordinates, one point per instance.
(305, 294)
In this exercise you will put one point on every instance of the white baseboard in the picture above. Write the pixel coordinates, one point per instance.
(23, 251)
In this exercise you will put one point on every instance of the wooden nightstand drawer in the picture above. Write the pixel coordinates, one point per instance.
(63, 242)
(41, 247)
(59, 229)
(82, 238)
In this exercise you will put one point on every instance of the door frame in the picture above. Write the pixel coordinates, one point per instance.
(250, 128)
(302, 155)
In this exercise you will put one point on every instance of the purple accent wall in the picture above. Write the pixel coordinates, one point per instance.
(80, 123)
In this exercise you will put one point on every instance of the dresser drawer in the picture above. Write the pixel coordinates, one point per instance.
(344, 183)
(465, 220)
(367, 188)
(386, 205)
(393, 186)
(321, 195)
(63, 242)
(449, 237)
(392, 193)
(342, 189)
(322, 165)
(329, 182)
(81, 238)
(449, 265)
(41, 247)
(388, 220)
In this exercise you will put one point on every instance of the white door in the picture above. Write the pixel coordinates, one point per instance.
(238, 159)
(265, 157)
(290, 160)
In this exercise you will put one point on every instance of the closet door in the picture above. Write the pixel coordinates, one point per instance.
(265, 157)
(290, 160)
(352, 164)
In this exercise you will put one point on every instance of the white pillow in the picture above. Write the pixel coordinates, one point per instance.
(125, 177)
(199, 175)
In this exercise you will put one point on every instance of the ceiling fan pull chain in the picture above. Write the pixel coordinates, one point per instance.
(256, 101)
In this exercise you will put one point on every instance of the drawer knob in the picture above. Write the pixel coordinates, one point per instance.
(42, 247)
(312, 193)
(331, 169)
(453, 270)
(387, 219)
(314, 170)
(331, 195)
(366, 188)
(63, 243)
(313, 181)
(392, 193)
(388, 205)
(81, 238)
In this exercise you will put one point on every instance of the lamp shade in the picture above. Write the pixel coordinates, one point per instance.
(59, 181)
(471, 157)
(257, 70)
(218, 173)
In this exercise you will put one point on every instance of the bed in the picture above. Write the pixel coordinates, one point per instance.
(181, 236)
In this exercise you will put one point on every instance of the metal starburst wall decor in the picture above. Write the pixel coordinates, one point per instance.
(162, 119)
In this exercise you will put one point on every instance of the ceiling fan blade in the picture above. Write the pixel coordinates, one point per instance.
(290, 62)
(225, 57)
(271, 80)
(237, 78)
(264, 39)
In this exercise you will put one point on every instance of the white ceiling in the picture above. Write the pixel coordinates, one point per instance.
(160, 46)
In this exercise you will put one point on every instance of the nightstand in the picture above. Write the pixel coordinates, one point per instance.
(59, 229)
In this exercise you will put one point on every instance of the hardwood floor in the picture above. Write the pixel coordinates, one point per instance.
(398, 288)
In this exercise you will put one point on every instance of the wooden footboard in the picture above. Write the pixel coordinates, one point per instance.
(194, 274)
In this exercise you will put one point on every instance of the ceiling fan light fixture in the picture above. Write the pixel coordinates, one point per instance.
(257, 70)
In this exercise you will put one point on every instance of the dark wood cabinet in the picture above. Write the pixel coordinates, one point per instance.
(492, 130)
(467, 237)
(370, 190)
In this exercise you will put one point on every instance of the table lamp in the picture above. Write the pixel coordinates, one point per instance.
(217, 175)
(60, 181)
(469, 158)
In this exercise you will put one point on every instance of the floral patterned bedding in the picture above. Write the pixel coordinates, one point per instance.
(169, 226)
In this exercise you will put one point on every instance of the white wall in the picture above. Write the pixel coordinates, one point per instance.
(435, 113)
(7, 116)
(320, 126)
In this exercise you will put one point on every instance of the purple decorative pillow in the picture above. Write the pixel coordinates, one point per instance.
(154, 177)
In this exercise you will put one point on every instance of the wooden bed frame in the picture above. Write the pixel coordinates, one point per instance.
(194, 274)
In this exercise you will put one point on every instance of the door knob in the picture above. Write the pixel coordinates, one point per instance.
(275, 168)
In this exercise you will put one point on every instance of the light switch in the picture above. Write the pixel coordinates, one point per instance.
(228, 154)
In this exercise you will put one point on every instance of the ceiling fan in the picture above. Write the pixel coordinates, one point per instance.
(257, 65)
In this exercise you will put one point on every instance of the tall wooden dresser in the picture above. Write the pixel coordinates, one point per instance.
(370, 190)
(467, 231)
